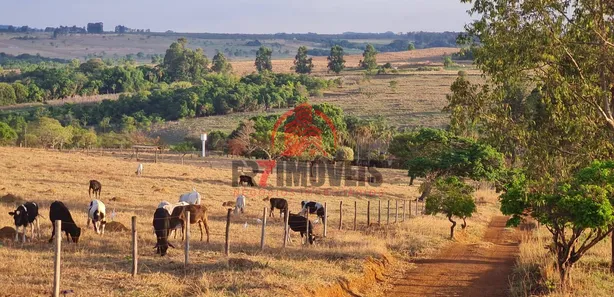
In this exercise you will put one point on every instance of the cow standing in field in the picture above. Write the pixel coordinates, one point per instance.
(246, 179)
(298, 223)
(26, 214)
(139, 169)
(198, 214)
(190, 198)
(240, 204)
(97, 214)
(279, 203)
(59, 211)
(312, 207)
(161, 224)
(95, 187)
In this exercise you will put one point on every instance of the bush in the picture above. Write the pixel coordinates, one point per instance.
(7, 134)
(447, 61)
(462, 73)
(344, 153)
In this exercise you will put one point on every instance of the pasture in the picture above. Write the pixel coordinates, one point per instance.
(100, 265)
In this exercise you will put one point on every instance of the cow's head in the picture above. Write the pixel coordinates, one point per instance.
(76, 234)
(20, 215)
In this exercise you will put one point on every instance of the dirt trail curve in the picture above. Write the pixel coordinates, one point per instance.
(464, 269)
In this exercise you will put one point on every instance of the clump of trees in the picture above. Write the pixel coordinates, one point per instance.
(263, 59)
(336, 63)
(184, 64)
(220, 64)
(302, 63)
(369, 59)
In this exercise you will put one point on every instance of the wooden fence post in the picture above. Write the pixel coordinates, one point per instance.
(369, 213)
(355, 202)
(340, 214)
(286, 215)
(263, 225)
(388, 215)
(187, 239)
(379, 212)
(57, 261)
(227, 244)
(307, 227)
(135, 254)
(325, 218)
(404, 204)
(396, 211)
(416, 207)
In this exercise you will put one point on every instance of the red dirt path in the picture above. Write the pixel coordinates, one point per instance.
(464, 269)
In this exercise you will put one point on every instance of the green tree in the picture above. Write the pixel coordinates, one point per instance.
(21, 93)
(50, 133)
(7, 134)
(184, 64)
(220, 64)
(344, 153)
(7, 94)
(302, 64)
(567, 119)
(336, 63)
(432, 153)
(105, 124)
(128, 124)
(411, 47)
(84, 138)
(452, 198)
(369, 59)
(579, 212)
(263, 59)
(447, 61)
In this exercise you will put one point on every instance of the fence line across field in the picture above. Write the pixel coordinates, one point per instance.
(134, 234)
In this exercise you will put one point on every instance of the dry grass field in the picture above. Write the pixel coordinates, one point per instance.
(100, 265)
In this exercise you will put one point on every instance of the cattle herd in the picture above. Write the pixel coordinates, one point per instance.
(167, 218)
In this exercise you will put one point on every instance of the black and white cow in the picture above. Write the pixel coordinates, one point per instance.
(59, 211)
(279, 203)
(313, 207)
(298, 223)
(95, 187)
(161, 224)
(26, 214)
(97, 215)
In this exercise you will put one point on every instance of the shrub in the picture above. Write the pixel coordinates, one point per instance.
(7, 134)
(344, 153)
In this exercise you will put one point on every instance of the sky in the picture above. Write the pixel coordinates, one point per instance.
(243, 16)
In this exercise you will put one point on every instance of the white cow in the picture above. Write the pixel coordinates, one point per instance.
(191, 197)
(139, 169)
(240, 204)
(97, 214)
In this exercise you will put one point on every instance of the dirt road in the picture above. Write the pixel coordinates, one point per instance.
(464, 269)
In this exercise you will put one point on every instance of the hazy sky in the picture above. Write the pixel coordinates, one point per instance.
(243, 16)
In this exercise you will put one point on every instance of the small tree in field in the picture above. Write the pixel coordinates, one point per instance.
(263, 59)
(184, 148)
(578, 213)
(336, 63)
(302, 63)
(452, 198)
(369, 59)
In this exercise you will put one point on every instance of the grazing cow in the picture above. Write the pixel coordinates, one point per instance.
(198, 214)
(96, 187)
(97, 214)
(59, 211)
(313, 207)
(26, 214)
(139, 169)
(298, 223)
(170, 208)
(246, 179)
(191, 198)
(279, 203)
(240, 203)
(161, 224)
(229, 204)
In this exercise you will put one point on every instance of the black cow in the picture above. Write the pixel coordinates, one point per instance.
(95, 187)
(298, 223)
(59, 211)
(26, 214)
(161, 224)
(246, 179)
(279, 203)
(313, 207)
